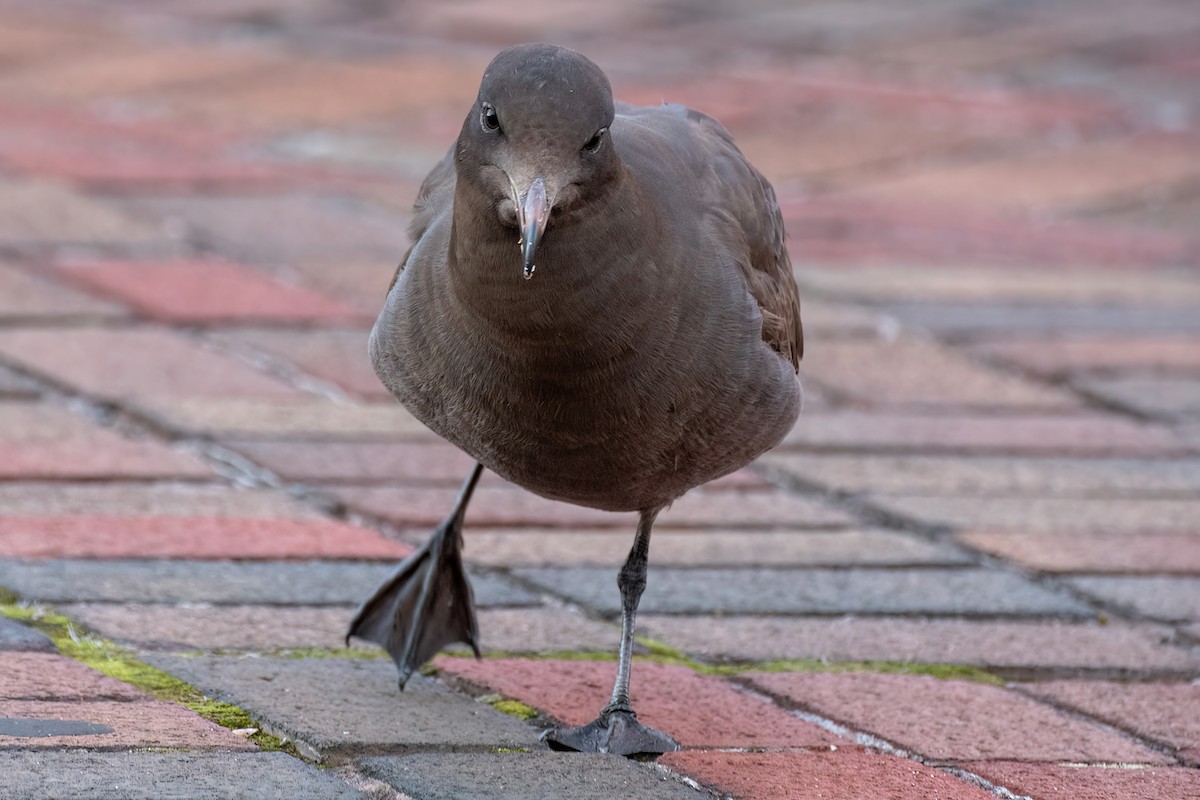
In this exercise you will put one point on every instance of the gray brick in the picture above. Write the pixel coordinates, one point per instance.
(727, 548)
(820, 591)
(1045, 477)
(278, 583)
(14, 385)
(1030, 320)
(268, 628)
(65, 775)
(1054, 645)
(1059, 515)
(14, 636)
(336, 709)
(1160, 597)
(1168, 395)
(525, 776)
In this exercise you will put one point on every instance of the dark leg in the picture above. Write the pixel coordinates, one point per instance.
(427, 603)
(617, 730)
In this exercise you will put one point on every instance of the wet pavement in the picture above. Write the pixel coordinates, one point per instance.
(971, 571)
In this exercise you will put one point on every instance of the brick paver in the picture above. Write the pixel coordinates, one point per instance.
(1159, 711)
(945, 720)
(83, 775)
(1023, 646)
(991, 212)
(697, 710)
(97, 536)
(843, 775)
(112, 725)
(1068, 782)
(204, 291)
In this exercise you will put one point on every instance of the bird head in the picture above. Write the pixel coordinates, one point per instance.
(536, 142)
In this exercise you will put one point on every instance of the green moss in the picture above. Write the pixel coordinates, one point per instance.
(511, 750)
(354, 653)
(515, 708)
(664, 654)
(8, 597)
(940, 671)
(119, 662)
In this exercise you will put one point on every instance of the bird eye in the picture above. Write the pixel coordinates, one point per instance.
(488, 119)
(593, 144)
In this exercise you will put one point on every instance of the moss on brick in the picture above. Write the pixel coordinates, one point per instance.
(77, 642)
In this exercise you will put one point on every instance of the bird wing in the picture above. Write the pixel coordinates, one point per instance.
(746, 196)
(436, 190)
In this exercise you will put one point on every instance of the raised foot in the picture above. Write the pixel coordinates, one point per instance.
(425, 605)
(616, 732)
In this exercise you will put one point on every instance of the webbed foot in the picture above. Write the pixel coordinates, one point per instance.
(615, 731)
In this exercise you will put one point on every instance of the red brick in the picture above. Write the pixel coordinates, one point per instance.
(206, 291)
(1164, 712)
(126, 67)
(306, 417)
(363, 283)
(1156, 553)
(160, 171)
(848, 774)
(34, 122)
(314, 93)
(41, 441)
(1016, 646)
(287, 227)
(135, 725)
(912, 372)
(101, 454)
(93, 536)
(1059, 435)
(506, 506)
(44, 676)
(339, 357)
(39, 213)
(946, 719)
(149, 500)
(25, 295)
(697, 710)
(422, 463)
(1080, 782)
(839, 143)
(899, 233)
(1052, 181)
(1060, 356)
(137, 364)
(26, 39)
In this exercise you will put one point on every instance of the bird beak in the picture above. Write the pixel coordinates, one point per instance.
(534, 210)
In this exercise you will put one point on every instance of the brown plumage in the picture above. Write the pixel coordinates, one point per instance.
(654, 349)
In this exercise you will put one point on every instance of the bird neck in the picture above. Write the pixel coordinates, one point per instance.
(584, 264)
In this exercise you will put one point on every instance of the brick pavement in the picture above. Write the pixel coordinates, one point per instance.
(972, 570)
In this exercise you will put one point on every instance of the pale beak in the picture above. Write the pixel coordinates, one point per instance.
(534, 210)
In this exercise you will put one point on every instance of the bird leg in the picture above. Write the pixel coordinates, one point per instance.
(427, 603)
(617, 729)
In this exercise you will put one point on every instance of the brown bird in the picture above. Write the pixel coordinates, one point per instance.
(642, 339)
